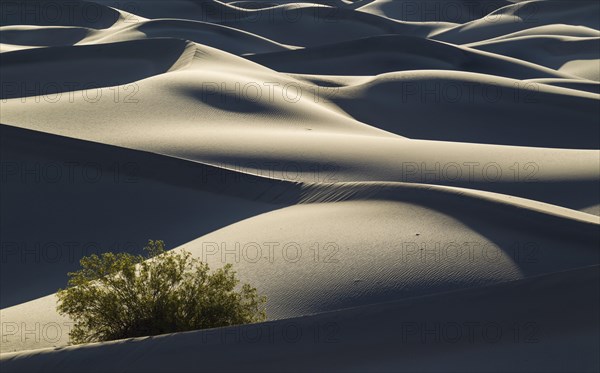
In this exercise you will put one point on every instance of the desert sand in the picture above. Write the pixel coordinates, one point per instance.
(414, 185)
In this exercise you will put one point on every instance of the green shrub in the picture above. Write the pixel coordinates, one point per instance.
(116, 296)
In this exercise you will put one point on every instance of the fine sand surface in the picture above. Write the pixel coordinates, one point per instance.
(415, 185)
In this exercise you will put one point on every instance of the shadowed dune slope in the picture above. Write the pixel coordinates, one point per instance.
(49, 71)
(111, 188)
(575, 56)
(376, 55)
(58, 13)
(484, 109)
(42, 35)
(228, 39)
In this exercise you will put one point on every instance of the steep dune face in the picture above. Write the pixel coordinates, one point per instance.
(359, 162)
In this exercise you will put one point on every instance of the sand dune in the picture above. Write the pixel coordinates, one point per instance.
(64, 69)
(592, 87)
(571, 55)
(225, 38)
(39, 36)
(524, 15)
(143, 181)
(564, 30)
(399, 344)
(381, 54)
(372, 166)
(433, 10)
(478, 103)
